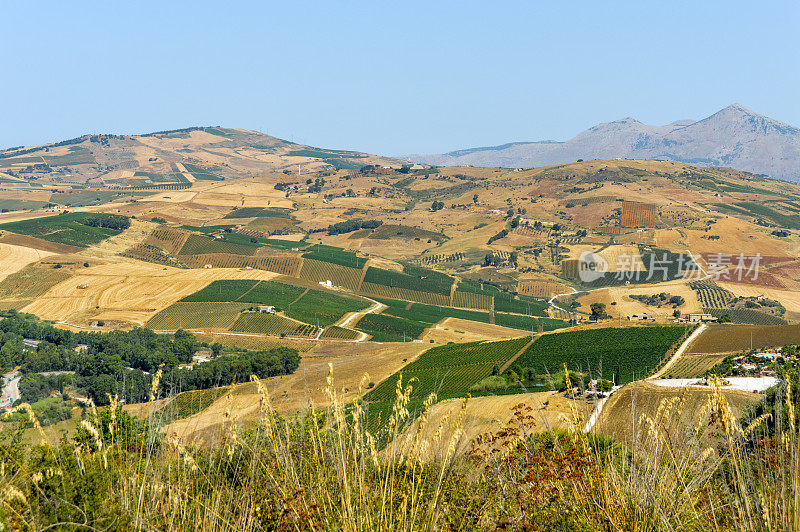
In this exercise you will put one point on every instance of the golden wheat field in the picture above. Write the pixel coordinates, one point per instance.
(14, 258)
(133, 291)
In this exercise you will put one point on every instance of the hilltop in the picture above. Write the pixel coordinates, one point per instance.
(734, 136)
(178, 156)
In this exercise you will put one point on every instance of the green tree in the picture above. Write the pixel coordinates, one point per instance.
(598, 310)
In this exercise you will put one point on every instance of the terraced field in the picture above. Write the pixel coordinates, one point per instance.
(335, 255)
(319, 271)
(339, 333)
(196, 315)
(170, 239)
(449, 370)
(285, 265)
(738, 338)
(386, 328)
(618, 354)
(414, 278)
(323, 308)
(396, 292)
(201, 245)
(689, 367)
(69, 228)
(272, 324)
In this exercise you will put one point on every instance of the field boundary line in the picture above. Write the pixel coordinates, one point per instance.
(516, 355)
(363, 275)
(298, 298)
(250, 290)
(679, 351)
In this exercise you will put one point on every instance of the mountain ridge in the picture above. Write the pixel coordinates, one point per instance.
(733, 136)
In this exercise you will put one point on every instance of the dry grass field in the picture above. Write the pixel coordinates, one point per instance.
(480, 415)
(459, 330)
(618, 257)
(352, 363)
(789, 298)
(674, 410)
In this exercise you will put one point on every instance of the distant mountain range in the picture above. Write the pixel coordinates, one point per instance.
(735, 137)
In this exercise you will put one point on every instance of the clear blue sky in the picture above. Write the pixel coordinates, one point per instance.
(390, 77)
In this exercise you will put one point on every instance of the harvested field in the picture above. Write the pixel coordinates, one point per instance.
(624, 258)
(624, 415)
(691, 366)
(138, 289)
(735, 338)
(318, 271)
(14, 258)
(186, 315)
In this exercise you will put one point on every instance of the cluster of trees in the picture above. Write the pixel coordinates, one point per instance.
(437, 205)
(656, 300)
(124, 362)
(108, 221)
(493, 260)
(352, 225)
(498, 236)
(317, 186)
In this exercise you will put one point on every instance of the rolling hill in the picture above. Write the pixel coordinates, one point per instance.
(178, 156)
(734, 137)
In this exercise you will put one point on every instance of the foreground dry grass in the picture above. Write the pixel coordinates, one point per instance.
(324, 470)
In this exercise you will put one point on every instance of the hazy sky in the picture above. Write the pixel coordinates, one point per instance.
(389, 77)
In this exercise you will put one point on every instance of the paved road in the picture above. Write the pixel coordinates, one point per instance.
(10, 389)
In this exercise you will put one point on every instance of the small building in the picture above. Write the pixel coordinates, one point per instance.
(81, 348)
(326, 284)
(697, 318)
(643, 316)
(266, 309)
(27, 342)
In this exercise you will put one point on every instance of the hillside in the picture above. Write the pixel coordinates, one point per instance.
(734, 137)
(179, 156)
